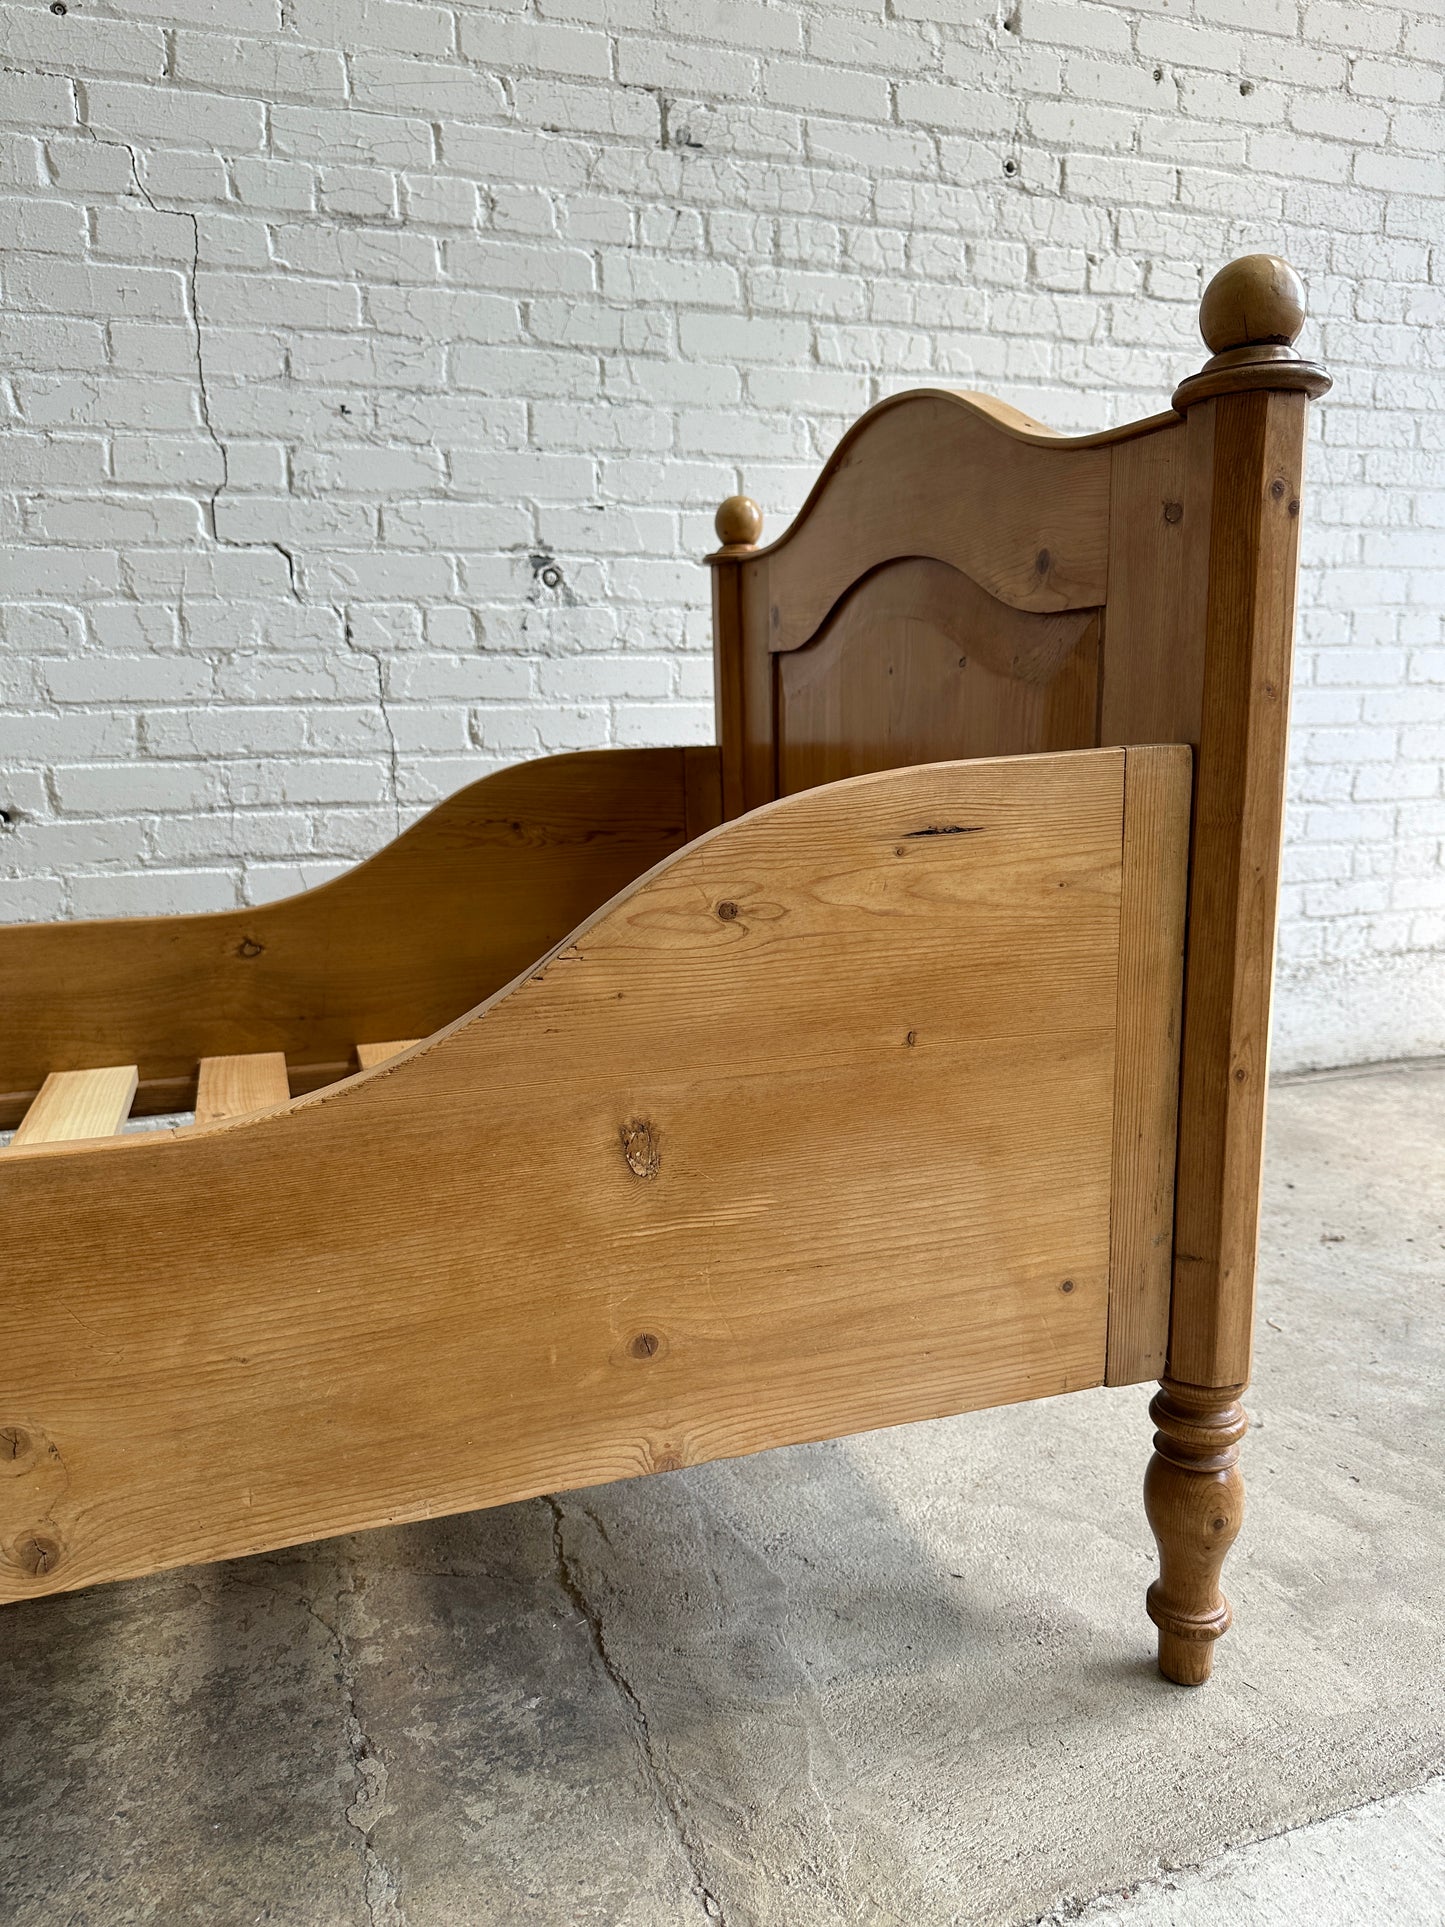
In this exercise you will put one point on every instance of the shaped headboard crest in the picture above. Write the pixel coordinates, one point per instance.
(945, 527)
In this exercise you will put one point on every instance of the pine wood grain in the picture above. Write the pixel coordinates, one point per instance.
(928, 473)
(368, 1056)
(78, 1104)
(1146, 1088)
(918, 664)
(1194, 1500)
(404, 943)
(1158, 585)
(753, 1157)
(235, 1086)
(1234, 878)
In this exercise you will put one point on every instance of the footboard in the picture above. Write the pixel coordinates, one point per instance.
(854, 1111)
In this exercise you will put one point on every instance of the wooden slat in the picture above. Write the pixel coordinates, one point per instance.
(235, 1086)
(403, 944)
(809, 1132)
(1146, 1081)
(79, 1104)
(370, 1055)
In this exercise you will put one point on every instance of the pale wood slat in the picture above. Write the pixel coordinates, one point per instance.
(235, 1086)
(370, 1055)
(79, 1104)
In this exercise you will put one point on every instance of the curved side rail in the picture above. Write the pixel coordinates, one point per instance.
(810, 1130)
(398, 946)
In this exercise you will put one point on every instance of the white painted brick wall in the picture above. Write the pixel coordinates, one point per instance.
(371, 369)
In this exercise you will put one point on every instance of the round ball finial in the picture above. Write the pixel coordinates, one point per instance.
(1255, 300)
(739, 522)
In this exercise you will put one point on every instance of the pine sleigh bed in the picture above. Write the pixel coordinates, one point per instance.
(642, 1107)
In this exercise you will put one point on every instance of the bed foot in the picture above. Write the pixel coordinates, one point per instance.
(1194, 1498)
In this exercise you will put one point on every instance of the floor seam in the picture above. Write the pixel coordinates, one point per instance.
(669, 1800)
(1074, 1909)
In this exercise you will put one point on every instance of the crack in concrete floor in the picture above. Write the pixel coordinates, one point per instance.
(671, 1802)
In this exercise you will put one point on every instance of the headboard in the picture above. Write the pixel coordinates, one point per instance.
(963, 582)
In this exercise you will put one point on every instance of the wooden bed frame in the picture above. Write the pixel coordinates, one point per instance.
(643, 1107)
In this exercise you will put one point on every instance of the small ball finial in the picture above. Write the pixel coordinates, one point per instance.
(1256, 300)
(739, 522)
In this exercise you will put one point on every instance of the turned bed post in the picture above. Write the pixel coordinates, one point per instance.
(1246, 420)
(739, 524)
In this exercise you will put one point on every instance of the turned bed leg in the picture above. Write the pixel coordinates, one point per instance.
(1194, 1498)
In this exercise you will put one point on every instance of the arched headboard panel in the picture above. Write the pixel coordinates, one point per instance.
(943, 474)
(945, 507)
(918, 664)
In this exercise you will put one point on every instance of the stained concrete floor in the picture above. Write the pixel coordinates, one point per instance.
(902, 1678)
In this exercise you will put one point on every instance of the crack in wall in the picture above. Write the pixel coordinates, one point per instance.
(368, 1805)
(374, 657)
(203, 393)
(669, 1800)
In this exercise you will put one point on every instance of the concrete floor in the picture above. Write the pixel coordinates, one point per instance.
(903, 1678)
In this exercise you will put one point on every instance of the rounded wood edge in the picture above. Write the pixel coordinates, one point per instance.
(1256, 298)
(1194, 1501)
(1250, 316)
(1185, 1662)
(1303, 377)
(1000, 416)
(738, 522)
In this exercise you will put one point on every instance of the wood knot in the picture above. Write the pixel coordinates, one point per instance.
(17, 1447)
(911, 1039)
(1276, 489)
(1042, 561)
(727, 911)
(645, 1345)
(248, 947)
(1067, 1285)
(640, 1147)
(37, 1553)
(1173, 512)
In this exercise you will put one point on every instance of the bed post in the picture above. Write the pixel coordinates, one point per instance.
(739, 525)
(1246, 413)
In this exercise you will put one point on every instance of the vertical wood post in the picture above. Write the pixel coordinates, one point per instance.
(739, 524)
(1247, 408)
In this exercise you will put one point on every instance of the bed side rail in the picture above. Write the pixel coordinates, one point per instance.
(485, 883)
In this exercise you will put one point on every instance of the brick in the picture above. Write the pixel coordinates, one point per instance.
(170, 115)
(138, 232)
(435, 90)
(510, 45)
(967, 110)
(827, 90)
(1398, 80)
(398, 26)
(266, 69)
(332, 134)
